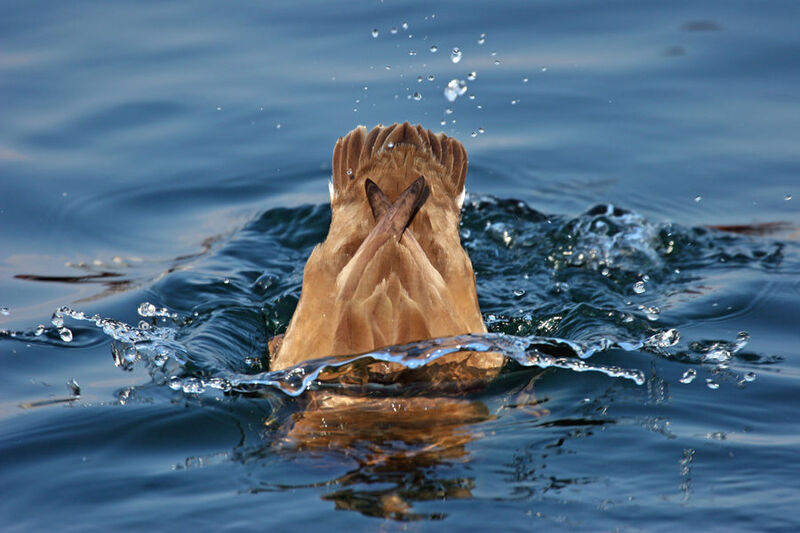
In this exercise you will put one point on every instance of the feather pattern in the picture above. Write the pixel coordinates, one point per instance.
(392, 269)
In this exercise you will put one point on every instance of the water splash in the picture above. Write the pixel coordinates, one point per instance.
(156, 345)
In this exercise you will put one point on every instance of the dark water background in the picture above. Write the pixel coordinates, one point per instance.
(178, 153)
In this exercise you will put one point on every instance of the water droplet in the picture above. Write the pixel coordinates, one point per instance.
(73, 386)
(474, 134)
(787, 197)
(513, 102)
(455, 55)
(524, 80)
(375, 33)
(431, 77)
(448, 111)
(652, 313)
(434, 49)
(405, 25)
(388, 67)
(65, 334)
(219, 109)
(39, 330)
(455, 89)
(278, 126)
(412, 53)
(688, 376)
(390, 145)
(544, 69)
(130, 354)
(193, 386)
(146, 309)
(711, 384)
(175, 383)
(519, 292)
(750, 377)
(417, 96)
(4, 311)
(393, 30)
(472, 75)
(638, 287)
(482, 38)
(419, 79)
(664, 339)
(481, 130)
(57, 320)
(443, 122)
(698, 198)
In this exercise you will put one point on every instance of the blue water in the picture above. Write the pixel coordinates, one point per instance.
(178, 154)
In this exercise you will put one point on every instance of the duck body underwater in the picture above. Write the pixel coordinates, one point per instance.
(392, 269)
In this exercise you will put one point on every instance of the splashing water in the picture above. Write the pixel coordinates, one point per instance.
(156, 345)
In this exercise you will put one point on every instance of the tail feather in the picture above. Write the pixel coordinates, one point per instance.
(361, 154)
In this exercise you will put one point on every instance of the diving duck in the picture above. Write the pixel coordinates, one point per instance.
(392, 269)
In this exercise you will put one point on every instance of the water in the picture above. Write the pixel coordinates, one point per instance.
(164, 170)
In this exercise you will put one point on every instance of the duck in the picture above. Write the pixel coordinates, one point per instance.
(392, 269)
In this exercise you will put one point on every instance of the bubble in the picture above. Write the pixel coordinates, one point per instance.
(417, 96)
(434, 49)
(638, 287)
(375, 33)
(455, 89)
(688, 376)
(4, 311)
(482, 38)
(65, 334)
(455, 55)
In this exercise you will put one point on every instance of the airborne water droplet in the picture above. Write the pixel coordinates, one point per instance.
(482, 38)
(375, 33)
(417, 96)
(4, 311)
(393, 31)
(750, 376)
(698, 198)
(455, 55)
(711, 384)
(472, 75)
(638, 287)
(434, 49)
(689, 376)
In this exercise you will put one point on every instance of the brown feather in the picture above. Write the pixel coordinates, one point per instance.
(392, 269)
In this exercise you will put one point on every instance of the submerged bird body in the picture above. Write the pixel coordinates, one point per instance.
(392, 269)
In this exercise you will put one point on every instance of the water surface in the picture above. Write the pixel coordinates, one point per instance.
(178, 156)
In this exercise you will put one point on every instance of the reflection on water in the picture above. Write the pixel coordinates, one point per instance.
(397, 444)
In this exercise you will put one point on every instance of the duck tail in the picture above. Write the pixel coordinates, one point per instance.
(393, 157)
